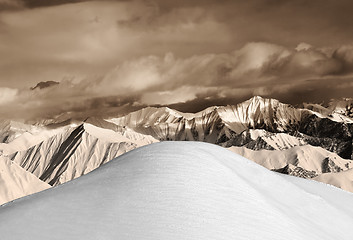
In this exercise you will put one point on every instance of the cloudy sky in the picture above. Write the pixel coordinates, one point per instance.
(114, 56)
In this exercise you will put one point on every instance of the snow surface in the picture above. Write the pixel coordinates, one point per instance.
(342, 180)
(181, 190)
(15, 182)
(307, 157)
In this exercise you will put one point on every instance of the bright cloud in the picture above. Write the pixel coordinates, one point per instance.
(7, 95)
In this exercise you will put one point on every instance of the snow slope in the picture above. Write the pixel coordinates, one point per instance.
(15, 182)
(182, 190)
(76, 151)
(342, 180)
(27, 139)
(307, 157)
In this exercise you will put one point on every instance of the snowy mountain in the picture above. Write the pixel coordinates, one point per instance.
(257, 139)
(303, 161)
(10, 130)
(15, 182)
(222, 125)
(182, 190)
(306, 142)
(75, 150)
(213, 123)
(342, 180)
(343, 107)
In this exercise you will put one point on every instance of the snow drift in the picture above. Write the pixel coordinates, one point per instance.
(181, 190)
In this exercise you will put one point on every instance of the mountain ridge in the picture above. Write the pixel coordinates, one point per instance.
(59, 151)
(221, 124)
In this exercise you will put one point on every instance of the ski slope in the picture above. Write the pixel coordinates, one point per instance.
(181, 190)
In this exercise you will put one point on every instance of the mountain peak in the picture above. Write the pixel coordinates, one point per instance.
(262, 100)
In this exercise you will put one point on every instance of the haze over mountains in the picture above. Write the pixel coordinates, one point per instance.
(310, 142)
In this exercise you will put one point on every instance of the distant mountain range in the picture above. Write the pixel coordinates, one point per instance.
(312, 142)
(234, 125)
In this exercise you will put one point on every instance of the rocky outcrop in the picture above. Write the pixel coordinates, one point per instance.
(296, 171)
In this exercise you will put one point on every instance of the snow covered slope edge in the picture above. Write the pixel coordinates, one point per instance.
(181, 190)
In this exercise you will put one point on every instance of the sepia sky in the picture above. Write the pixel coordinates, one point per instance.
(114, 56)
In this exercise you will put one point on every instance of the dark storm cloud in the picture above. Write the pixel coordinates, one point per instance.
(9, 5)
(46, 3)
(291, 75)
(285, 22)
(109, 55)
(311, 91)
(64, 100)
